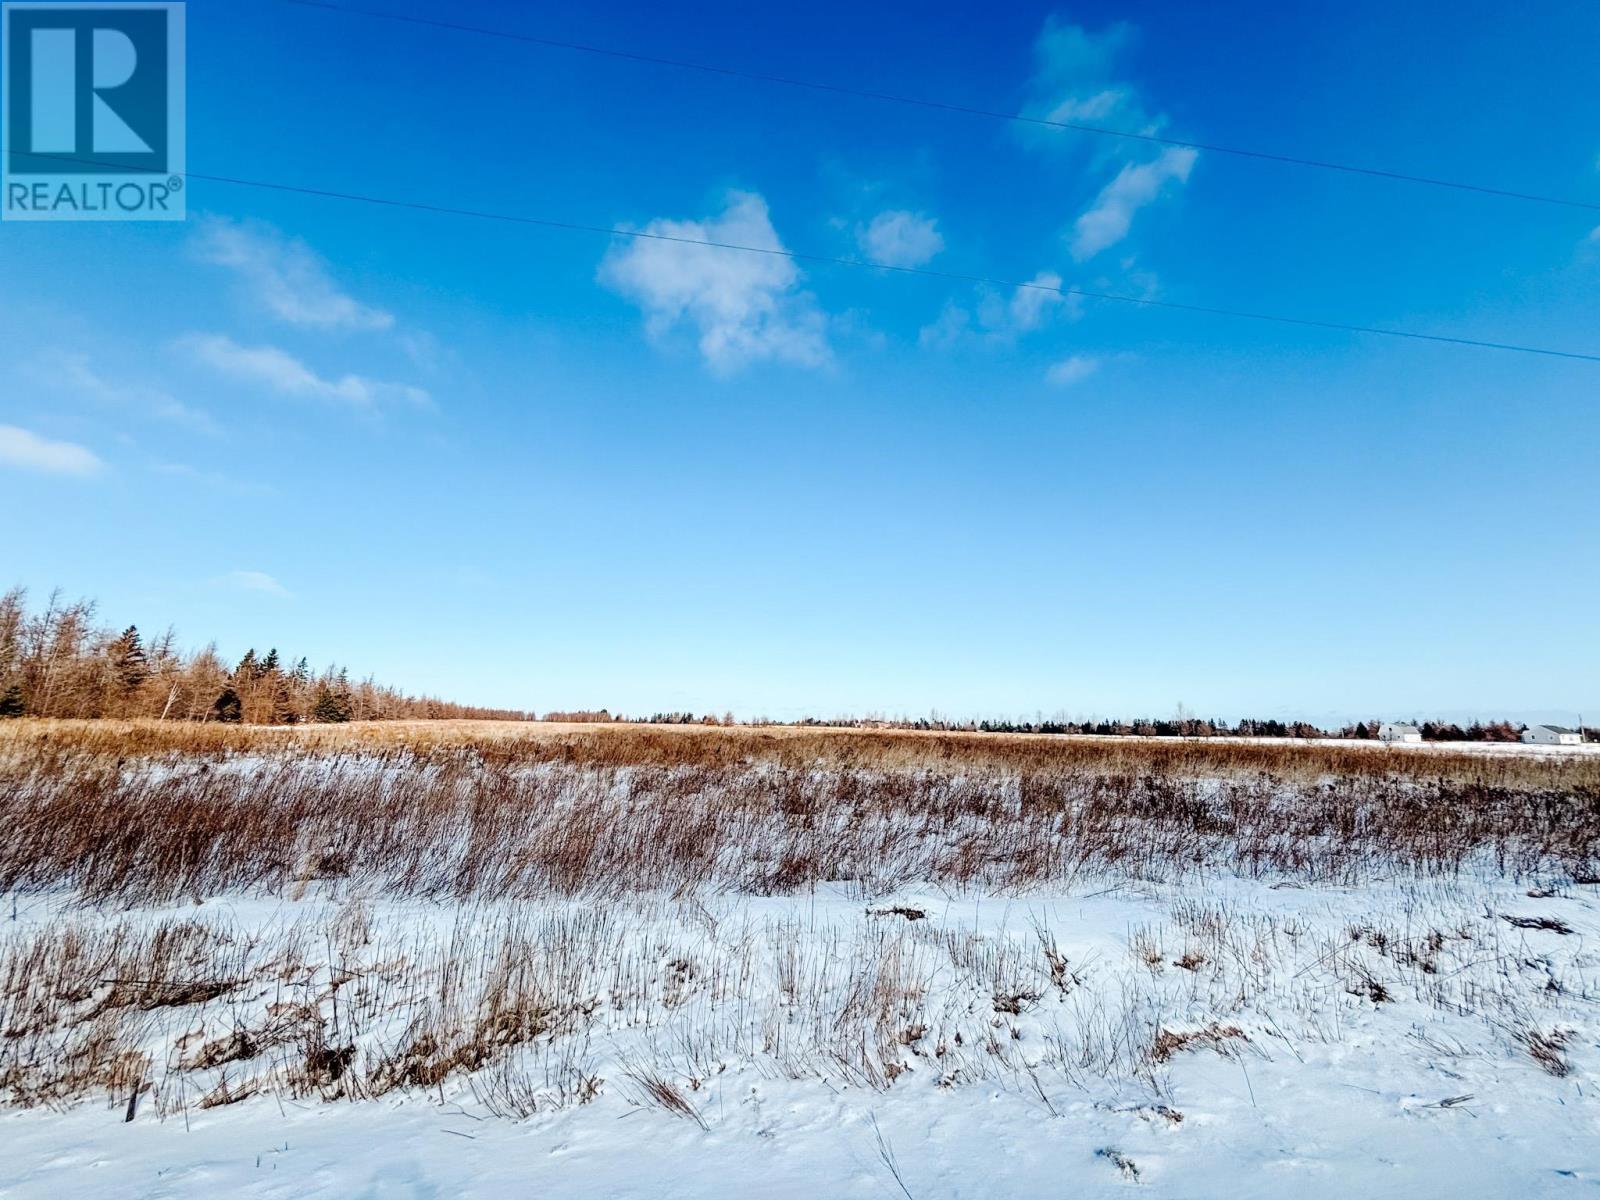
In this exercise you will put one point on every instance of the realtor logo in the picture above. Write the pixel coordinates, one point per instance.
(92, 112)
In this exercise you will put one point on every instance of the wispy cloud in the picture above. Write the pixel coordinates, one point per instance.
(1072, 370)
(1029, 305)
(285, 276)
(898, 238)
(1108, 220)
(279, 371)
(253, 581)
(75, 373)
(1077, 81)
(746, 308)
(952, 323)
(1001, 317)
(20, 448)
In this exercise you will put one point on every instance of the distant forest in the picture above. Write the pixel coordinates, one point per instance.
(57, 662)
(1182, 726)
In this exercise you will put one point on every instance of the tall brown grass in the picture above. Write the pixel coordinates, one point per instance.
(142, 812)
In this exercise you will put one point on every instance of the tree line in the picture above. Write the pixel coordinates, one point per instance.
(1177, 726)
(58, 662)
(1182, 726)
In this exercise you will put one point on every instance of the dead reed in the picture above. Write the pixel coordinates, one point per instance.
(146, 813)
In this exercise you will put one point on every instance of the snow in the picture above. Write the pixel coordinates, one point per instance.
(1325, 1092)
(778, 1139)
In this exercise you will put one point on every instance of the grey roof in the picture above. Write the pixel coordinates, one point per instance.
(1555, 728)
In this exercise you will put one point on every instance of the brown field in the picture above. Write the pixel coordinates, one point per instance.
(144, 811)
(623, 744)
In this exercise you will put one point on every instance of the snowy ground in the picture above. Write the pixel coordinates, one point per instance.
(475, 967)
(1433, 1037)
(1282, 1135)
(1491, 748)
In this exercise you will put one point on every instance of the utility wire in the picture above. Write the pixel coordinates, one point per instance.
(832, 260)
(941, 105)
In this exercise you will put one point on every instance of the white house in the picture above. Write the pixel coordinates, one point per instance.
(1392, 732)
(1551, 735)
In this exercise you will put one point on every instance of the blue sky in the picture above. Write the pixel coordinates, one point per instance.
(545, 469)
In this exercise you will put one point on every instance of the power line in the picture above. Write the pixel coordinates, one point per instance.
(832, 260)
(943, 105)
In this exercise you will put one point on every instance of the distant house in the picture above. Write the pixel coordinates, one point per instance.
(1551, 735)
(1392, 732)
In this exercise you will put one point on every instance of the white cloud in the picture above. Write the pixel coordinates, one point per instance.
(280, 371)
(1076, 82)
(74, 372)
(422, 348)
(1030, 304)
(952, 323)
(1108, 220)
(285, 276)
(253, 581)
(745, 307)
(1001, 318)
(19, 448)
(1091, 108)
(1072, 370)
(900, 239)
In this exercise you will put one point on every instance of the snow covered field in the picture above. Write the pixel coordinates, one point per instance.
(1278, 1019)
(1240, 1039)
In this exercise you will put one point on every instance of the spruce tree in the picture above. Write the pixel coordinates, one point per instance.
(226, 708)
(282, 702)
(128, 660)
(331, 707)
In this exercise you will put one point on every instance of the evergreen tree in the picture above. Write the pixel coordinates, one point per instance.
(226, 708)
(331, 707)
(12, 703)
(128, 660)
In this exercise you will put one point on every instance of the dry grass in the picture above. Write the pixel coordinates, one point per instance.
(1546, 1050)
(150, 812)
(534, 1007)
(512, 1003)
(1214, 1037)
(620, 744)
